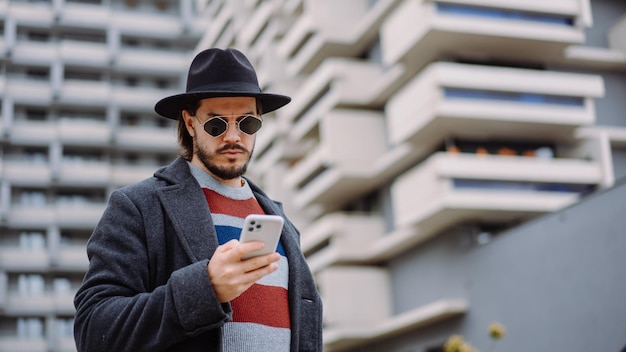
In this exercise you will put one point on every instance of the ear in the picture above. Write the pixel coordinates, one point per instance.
(188, 118)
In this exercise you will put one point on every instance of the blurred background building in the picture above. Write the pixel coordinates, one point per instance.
(78, 82)
(449, 163)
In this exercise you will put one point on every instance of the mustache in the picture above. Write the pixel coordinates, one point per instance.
(232, 146)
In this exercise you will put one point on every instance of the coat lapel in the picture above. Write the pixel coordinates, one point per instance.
(184, 203)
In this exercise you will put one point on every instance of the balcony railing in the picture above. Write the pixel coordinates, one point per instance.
(449, 99)
(338, 168)
(338, 237)
(449, 189)
(417, 32)
(347, 325)
(344, 29)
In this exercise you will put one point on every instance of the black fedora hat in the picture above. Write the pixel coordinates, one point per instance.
(219, 73)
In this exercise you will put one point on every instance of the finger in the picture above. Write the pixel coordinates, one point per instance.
(228, 245)
(261, 261)
(255, 275)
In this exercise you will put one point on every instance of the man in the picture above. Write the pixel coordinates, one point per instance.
(165, 266)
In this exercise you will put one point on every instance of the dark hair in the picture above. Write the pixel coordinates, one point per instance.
(184, 138)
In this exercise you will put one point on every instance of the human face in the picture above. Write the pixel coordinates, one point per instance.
(226, 156)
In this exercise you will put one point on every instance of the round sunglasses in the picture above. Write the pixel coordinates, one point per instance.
(217, 125)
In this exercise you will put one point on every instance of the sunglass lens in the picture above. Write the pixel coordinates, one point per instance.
(250, 124)
(215, 127)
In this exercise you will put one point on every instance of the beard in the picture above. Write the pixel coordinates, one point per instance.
(228, 171)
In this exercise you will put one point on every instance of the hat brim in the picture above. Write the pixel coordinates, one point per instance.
(171, 107)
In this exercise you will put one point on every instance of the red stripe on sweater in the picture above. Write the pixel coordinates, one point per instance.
(224, 205)
(261, 304)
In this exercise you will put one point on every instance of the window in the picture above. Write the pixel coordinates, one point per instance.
(542, 150)
(64, 327)
(494, 13)
(36, 114)
(30, 328)
(29, 197)
(30, 284)
(461, 183)
(83, 75)
(32, 241)
(521, 97)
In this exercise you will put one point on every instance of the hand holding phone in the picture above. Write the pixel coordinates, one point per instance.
(264, 228)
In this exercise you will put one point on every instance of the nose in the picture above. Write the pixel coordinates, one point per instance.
(232, 133)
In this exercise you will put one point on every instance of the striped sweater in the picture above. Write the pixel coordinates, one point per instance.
(260, 320)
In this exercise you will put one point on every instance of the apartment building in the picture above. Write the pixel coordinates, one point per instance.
(78, 84)
(429, 141)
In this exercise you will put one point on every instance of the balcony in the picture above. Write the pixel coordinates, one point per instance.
(44, 303)
(449, 99)
(259, 20)
(84, 131)
(339, 82)
(30, 173)
(137, 98)
(27, 52)
(342, 308)
(449, 189)
(29, 91)
(15, 344)
(151, 61)
(147, 138)
(80, 215)
(418, 32)
(86, 93)
(331, 28)
(148, 25)
(347, 325)
(338, 238)
(220, 30)
(122, 175)
(71, 258)
(81, 172)
(18, 259)
(337, 168)
(27, 13)
(31, 132)
(81, 53)
(84, 16)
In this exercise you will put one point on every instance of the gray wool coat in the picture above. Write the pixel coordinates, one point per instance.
(147, 287)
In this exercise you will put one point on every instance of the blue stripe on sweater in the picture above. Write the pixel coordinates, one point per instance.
(227, 233)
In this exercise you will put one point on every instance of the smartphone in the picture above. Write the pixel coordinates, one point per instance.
(264, 228)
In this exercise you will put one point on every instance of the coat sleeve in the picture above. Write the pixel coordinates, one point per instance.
(117, 310)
